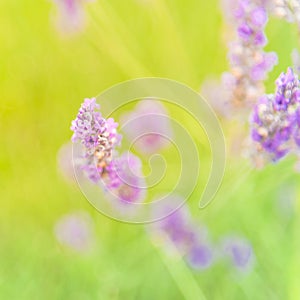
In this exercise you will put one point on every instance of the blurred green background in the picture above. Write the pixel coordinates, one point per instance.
(44, 76)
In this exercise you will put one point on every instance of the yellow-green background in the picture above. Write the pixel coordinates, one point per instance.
(43, 79)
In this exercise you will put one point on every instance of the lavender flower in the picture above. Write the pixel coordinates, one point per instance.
(180, 229)
(200, 256)
(75, 231)
(239, 252)
(177, 226)
(98, 136)
(70, 17)
(120, 175)
(123, 178)
(249, 64)
(276, 118)
(149, 125)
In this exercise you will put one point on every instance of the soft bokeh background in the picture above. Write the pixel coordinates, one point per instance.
(44, 75)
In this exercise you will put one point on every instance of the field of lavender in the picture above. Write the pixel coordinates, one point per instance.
(149, 149)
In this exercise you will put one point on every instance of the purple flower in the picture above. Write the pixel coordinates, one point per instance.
(275, 119)
(260, 39)
(249, 64)
(98, 136)
(287, 92)
(200, 256)
(245, 31)
(148, 126)
(175, 223)
(70, 17)
(259, 17)
(239, 251)
(75, 231)
(124, 180)
(179, 228)
(270, 60)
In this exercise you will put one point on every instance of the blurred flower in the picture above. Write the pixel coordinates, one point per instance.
(70, 16)
(249, 64)
(276, 118)
(76, 231)
(149, 126)
(177, 226)
(239, 251)
(179, 229)
(123, 178)
(200, 256)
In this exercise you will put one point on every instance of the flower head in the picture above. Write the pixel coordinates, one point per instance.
(200, 256)
(275, 118)
(249, 63)
(120, 175)
(76, 231)
(179, 228)
(97, 134)
(239, 251)
(148, 126)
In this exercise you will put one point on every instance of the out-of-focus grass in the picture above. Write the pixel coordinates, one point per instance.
(43, 79)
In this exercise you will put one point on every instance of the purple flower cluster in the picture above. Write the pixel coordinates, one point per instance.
(121, 175)
(179, 229)
(148, 125)
(249, 63)
(275, 119)
(192, 241)
(98, 136)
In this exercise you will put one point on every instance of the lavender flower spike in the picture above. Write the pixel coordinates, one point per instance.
(180, 229)
(98, 136)
(120, 175)
(276, 118)
(249, 64)
(200, 256)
